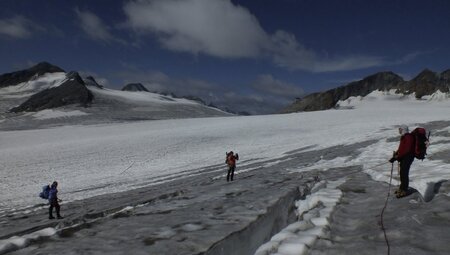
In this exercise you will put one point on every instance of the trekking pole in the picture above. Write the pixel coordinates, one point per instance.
(384, 208)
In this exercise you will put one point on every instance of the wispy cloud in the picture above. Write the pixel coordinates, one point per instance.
(19, 27)
(95, 28)
(222, 29)
(264, 95)
(268, 85)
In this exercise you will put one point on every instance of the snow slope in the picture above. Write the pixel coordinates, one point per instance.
(141, 96)
(25, 89)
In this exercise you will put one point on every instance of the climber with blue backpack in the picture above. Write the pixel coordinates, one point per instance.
(54, 201)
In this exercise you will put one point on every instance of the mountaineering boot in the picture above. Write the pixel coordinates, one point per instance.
(59, 217)
(401, 193)
(51, 217)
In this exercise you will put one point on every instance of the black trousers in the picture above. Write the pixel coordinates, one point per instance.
(405, 164)
(230, 172)
(55, 204)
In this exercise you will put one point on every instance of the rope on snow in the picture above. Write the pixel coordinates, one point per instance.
(384, 208)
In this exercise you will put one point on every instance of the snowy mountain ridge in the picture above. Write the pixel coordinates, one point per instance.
(44, 87)
(379, 96)
(424, 84)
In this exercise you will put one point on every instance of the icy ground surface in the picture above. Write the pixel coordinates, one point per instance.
(320, 212)
(164, 180)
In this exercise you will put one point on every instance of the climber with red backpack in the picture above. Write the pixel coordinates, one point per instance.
(231, 162)
(412, 145)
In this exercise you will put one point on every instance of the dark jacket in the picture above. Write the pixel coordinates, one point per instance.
(53, 194)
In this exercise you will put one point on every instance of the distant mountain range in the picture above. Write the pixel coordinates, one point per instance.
(48, 87)
(425, 83)
(45, 87)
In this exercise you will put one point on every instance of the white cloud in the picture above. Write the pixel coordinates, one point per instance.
(95, 28)
(217, 28)
(19, 27)
(287, 52)
(222, 29)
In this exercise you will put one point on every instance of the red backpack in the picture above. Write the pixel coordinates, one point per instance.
(421, 142)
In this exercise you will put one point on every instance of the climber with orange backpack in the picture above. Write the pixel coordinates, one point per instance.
(412, 145)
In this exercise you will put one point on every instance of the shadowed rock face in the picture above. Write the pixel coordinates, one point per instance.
(15, 78)
(135, 87)
(90, 81)
(445, 77)
(71, 91)
(426, 83)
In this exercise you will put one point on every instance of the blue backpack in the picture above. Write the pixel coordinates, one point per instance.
(45, 192)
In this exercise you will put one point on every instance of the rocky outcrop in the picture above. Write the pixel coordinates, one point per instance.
(425, 83)
(134, 87)
(71, 91)
(15, 78)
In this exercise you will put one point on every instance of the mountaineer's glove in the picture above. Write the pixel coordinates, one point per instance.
(392, 160)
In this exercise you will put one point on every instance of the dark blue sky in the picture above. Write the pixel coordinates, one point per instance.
(253, 55)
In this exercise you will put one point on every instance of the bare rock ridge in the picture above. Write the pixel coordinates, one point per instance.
(14, 78)
(72, 91)
(425, 83)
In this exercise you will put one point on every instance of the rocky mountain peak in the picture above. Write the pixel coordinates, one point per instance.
(45, 67)
(426, 76)
(14, 78)
(71, 91)
(90, 81)
(134, 87)
(384, 77)
(74, 76)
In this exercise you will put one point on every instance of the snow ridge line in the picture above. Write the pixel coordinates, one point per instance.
(276, 217)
